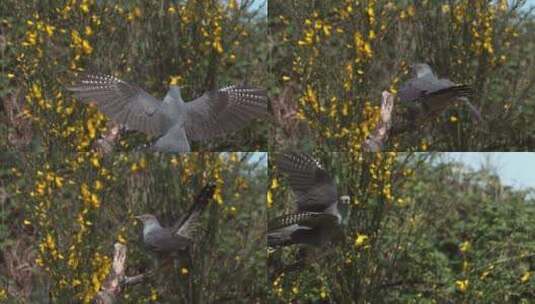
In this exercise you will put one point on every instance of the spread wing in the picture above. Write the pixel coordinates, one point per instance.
(226, 110)
(124, 103)
(432, 87)
(417, 87)
(306, 219)
(189, 224)
(314, 188)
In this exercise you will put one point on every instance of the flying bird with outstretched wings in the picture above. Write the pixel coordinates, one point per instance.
(317, 219)
(427, 96)
(172, 121)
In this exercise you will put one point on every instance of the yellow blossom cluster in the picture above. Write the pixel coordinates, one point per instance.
(381, 174)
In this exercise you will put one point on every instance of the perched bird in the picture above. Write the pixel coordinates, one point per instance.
(427, 96)
(168, 240)
(172, 121)
(317, 219)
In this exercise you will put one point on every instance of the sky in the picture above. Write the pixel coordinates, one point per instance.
(516, 169)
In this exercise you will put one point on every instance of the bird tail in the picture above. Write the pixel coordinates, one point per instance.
(435, 103)
(202, 199)
(187, 226)
(455, 91)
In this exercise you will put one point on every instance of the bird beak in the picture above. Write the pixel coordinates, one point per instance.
(138, 217)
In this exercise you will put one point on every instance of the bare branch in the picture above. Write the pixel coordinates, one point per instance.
(375, 142)
(112, 287)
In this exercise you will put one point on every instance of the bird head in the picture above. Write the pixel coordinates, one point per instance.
(344, 203)
(344, 199)
(147, 219)
(421, 69)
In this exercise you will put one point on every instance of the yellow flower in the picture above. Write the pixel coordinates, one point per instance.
(175, 80)
(462, 286)
(217, 196)
(274, 183)
(184, 271)
(360, 239)
(424, 145)
(269, 199)
(465, 246)
(153, 294)
(49, 29)
(88, 31)
(525, 277)
(59, 181)
(98, 185)
(95, 200)
(95, 161)
(86, 47)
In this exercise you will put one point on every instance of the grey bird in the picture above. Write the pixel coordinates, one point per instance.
(427, 96)
(317, 220)
(172, 121)
(166, 241)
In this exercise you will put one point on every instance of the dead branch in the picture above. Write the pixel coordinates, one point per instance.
(112, 287)
(116, 279)
(376, 140)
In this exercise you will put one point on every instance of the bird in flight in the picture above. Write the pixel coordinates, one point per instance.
(173, 122)
(427, 96)
(316, 220)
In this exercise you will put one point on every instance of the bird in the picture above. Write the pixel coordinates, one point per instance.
(317, 220)
(426, 95)
(167, 241)
(172, 122)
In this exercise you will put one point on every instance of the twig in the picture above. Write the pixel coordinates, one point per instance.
(375, 142)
